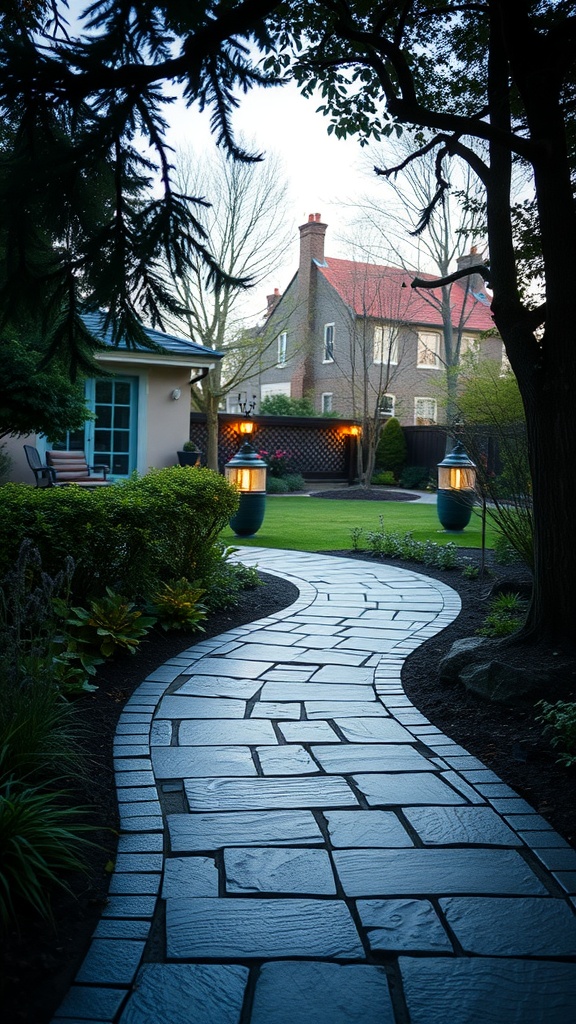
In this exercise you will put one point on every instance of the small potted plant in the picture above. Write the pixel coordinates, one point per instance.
(190, 454)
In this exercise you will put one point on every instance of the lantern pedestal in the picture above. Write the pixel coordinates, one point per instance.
(247, 471)
(456, 494)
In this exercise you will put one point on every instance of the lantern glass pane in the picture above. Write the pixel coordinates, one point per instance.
(246, 479)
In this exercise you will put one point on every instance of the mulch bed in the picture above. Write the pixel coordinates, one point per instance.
(39, 963)
(356, 493)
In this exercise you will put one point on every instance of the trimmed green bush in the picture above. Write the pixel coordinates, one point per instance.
(384, 479)
(415, 478)
(131, 537)
(391, 451)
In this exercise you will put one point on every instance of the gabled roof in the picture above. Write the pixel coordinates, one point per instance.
(385, 293)
(180, 349)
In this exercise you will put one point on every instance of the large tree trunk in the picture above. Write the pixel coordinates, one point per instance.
(211, 410)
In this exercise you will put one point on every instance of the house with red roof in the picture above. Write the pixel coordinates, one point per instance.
(355, 337)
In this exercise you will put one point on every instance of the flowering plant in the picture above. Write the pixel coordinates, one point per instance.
(279, 462)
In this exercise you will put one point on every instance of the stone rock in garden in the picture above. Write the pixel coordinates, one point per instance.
(460, 655)
(502, 683)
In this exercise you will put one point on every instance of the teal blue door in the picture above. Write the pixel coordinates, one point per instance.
(112, 436)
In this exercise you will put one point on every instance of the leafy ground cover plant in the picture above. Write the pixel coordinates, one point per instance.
(506, 614)
(560, 719)
(113, 624)
(385, 544)
(177, 605)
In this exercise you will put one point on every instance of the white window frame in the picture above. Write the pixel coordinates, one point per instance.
(326, 398)
(329, 333)
(385, 345)
(428, 353)
(433, 420)
(282, 344)
(269, 390)
(387, 412)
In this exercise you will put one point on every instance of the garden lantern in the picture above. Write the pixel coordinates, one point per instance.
(456, 483)
(248, 472)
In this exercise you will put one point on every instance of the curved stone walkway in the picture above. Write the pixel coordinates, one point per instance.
(300, 846)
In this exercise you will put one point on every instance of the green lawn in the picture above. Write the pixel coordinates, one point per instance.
(316, 524)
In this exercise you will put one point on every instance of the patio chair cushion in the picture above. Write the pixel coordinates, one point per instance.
(72, 468)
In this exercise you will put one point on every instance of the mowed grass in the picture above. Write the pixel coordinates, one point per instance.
(323, 524)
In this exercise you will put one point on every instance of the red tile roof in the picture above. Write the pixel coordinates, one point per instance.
(385, 293)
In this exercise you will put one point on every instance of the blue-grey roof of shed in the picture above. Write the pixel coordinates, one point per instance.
(168, 342)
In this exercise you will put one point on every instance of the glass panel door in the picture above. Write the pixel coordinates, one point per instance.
(114, 430)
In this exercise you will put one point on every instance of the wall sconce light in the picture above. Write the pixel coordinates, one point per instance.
(456, 494)
(175, 394)
(246, 427)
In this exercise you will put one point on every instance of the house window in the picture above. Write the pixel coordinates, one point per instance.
(386, 407)
(385, 345)
(428, 351)
(425, 412)
(328, 343)
(470, 346)
(327, 401)
(282, 340)
(268, 390)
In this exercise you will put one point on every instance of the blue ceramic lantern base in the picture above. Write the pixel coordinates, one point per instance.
(250, 514)
(455, 509)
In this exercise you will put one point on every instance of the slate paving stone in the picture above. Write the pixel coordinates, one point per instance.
(131, 928)
(544, 840)
(403, 926)
(512, 927)
(279, 870)
(441, 826)
(147, 842)
(174, 706)
(218, 686)
(139, 862)
(307, 732)
(260, 654)
(348, 675)
(189, 876)
(365, 829)
(202, 762)
(255, 794)
(373, 730)
(187, 994)
(238, 668)
(346, 758)
(319, 692)
(209, 731)
(134, 883)
(191, 832)
(91, 1004)
(371, 708)
(275, 709)
(488, 991)
(138, 809)
(417, 788)
(149, 823)
(435, 872)
(288, 759)
(131, 794)
(111, 961)
(321, 993)
(129, 906)
(256, 928)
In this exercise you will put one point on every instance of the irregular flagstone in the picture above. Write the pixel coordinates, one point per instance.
(202, 762)
(403, 925)
(321, 993)
(512, 927)
(256, 928)
(190, 876)
(218, 686)
(307, 732)
(417, 788)
(276, 709)
(201, 707)
(176, 993)
(488, 991)
(437, 826)
(206, 732)
(278, 870)
(346, 758)
(240, 668)
(366, 828)
(319, 692)
(190, 832)
(286, 760)
(239, 794)
(364, 708)
(373, 730)
(433, 872)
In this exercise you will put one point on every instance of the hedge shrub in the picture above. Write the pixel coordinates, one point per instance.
(132, 536)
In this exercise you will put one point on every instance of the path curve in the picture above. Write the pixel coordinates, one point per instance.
(299, 845)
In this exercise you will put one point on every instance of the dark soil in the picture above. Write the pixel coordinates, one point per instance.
(39, 963)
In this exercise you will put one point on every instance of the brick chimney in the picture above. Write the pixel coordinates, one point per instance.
(272, 301)
(312, 236)
(471, 259)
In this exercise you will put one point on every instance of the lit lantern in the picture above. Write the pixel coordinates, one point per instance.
(247, 471)
(456, 494)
